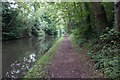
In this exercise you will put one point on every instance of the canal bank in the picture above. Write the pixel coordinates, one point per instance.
(18, 56)
(40, 69)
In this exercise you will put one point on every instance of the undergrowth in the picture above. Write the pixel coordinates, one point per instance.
(104, 51)
(83, 57)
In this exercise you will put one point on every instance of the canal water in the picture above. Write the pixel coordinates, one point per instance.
(18, 56)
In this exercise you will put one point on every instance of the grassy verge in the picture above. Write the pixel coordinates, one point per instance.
(39, 70)
(84, 58)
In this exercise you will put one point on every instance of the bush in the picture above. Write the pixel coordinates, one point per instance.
(105, 53)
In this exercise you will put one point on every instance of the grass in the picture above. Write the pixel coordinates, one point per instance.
(39, 70)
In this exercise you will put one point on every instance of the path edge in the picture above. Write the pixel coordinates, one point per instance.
(97, 74)
(37, 70)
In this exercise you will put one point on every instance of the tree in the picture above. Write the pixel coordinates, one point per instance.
(100, 16)
(27, 19)
(117, 15)
(88, 21)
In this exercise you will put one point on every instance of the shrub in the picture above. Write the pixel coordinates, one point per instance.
(105, 53)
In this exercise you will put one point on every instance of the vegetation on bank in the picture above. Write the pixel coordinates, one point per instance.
(23, 19)
(84, 58)
(39, 70)
(103, 51)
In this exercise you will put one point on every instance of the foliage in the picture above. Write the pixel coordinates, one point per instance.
(109, 8)
(83, 32)
(21, 19)
(105, 53)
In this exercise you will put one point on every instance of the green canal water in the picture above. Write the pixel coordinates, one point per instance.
(18, 56)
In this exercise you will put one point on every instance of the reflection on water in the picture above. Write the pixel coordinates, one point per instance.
(19, 56)
(21, 67)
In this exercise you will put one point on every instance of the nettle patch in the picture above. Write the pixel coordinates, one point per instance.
(105, 53)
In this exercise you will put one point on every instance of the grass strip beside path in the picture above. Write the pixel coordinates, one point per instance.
(39, 70)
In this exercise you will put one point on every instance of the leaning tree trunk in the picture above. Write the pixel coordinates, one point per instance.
(100, 16)
(117, 15)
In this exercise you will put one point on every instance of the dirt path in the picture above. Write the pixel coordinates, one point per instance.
(65, 63)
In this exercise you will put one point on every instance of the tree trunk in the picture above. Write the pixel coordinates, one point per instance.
(70, 24)
(88, 21)
(69, 18)
(100, 16)
(117, 16)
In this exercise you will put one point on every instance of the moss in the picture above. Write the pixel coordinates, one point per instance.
(39, 70)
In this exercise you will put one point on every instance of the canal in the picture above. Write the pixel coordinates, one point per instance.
(18, 56)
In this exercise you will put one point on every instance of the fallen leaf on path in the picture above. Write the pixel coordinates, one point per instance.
(77, 73)
(83, 74)
(52, 75)
(56, 68)
(73, 71)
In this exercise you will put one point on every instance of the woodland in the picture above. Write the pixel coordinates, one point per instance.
(95, 26)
